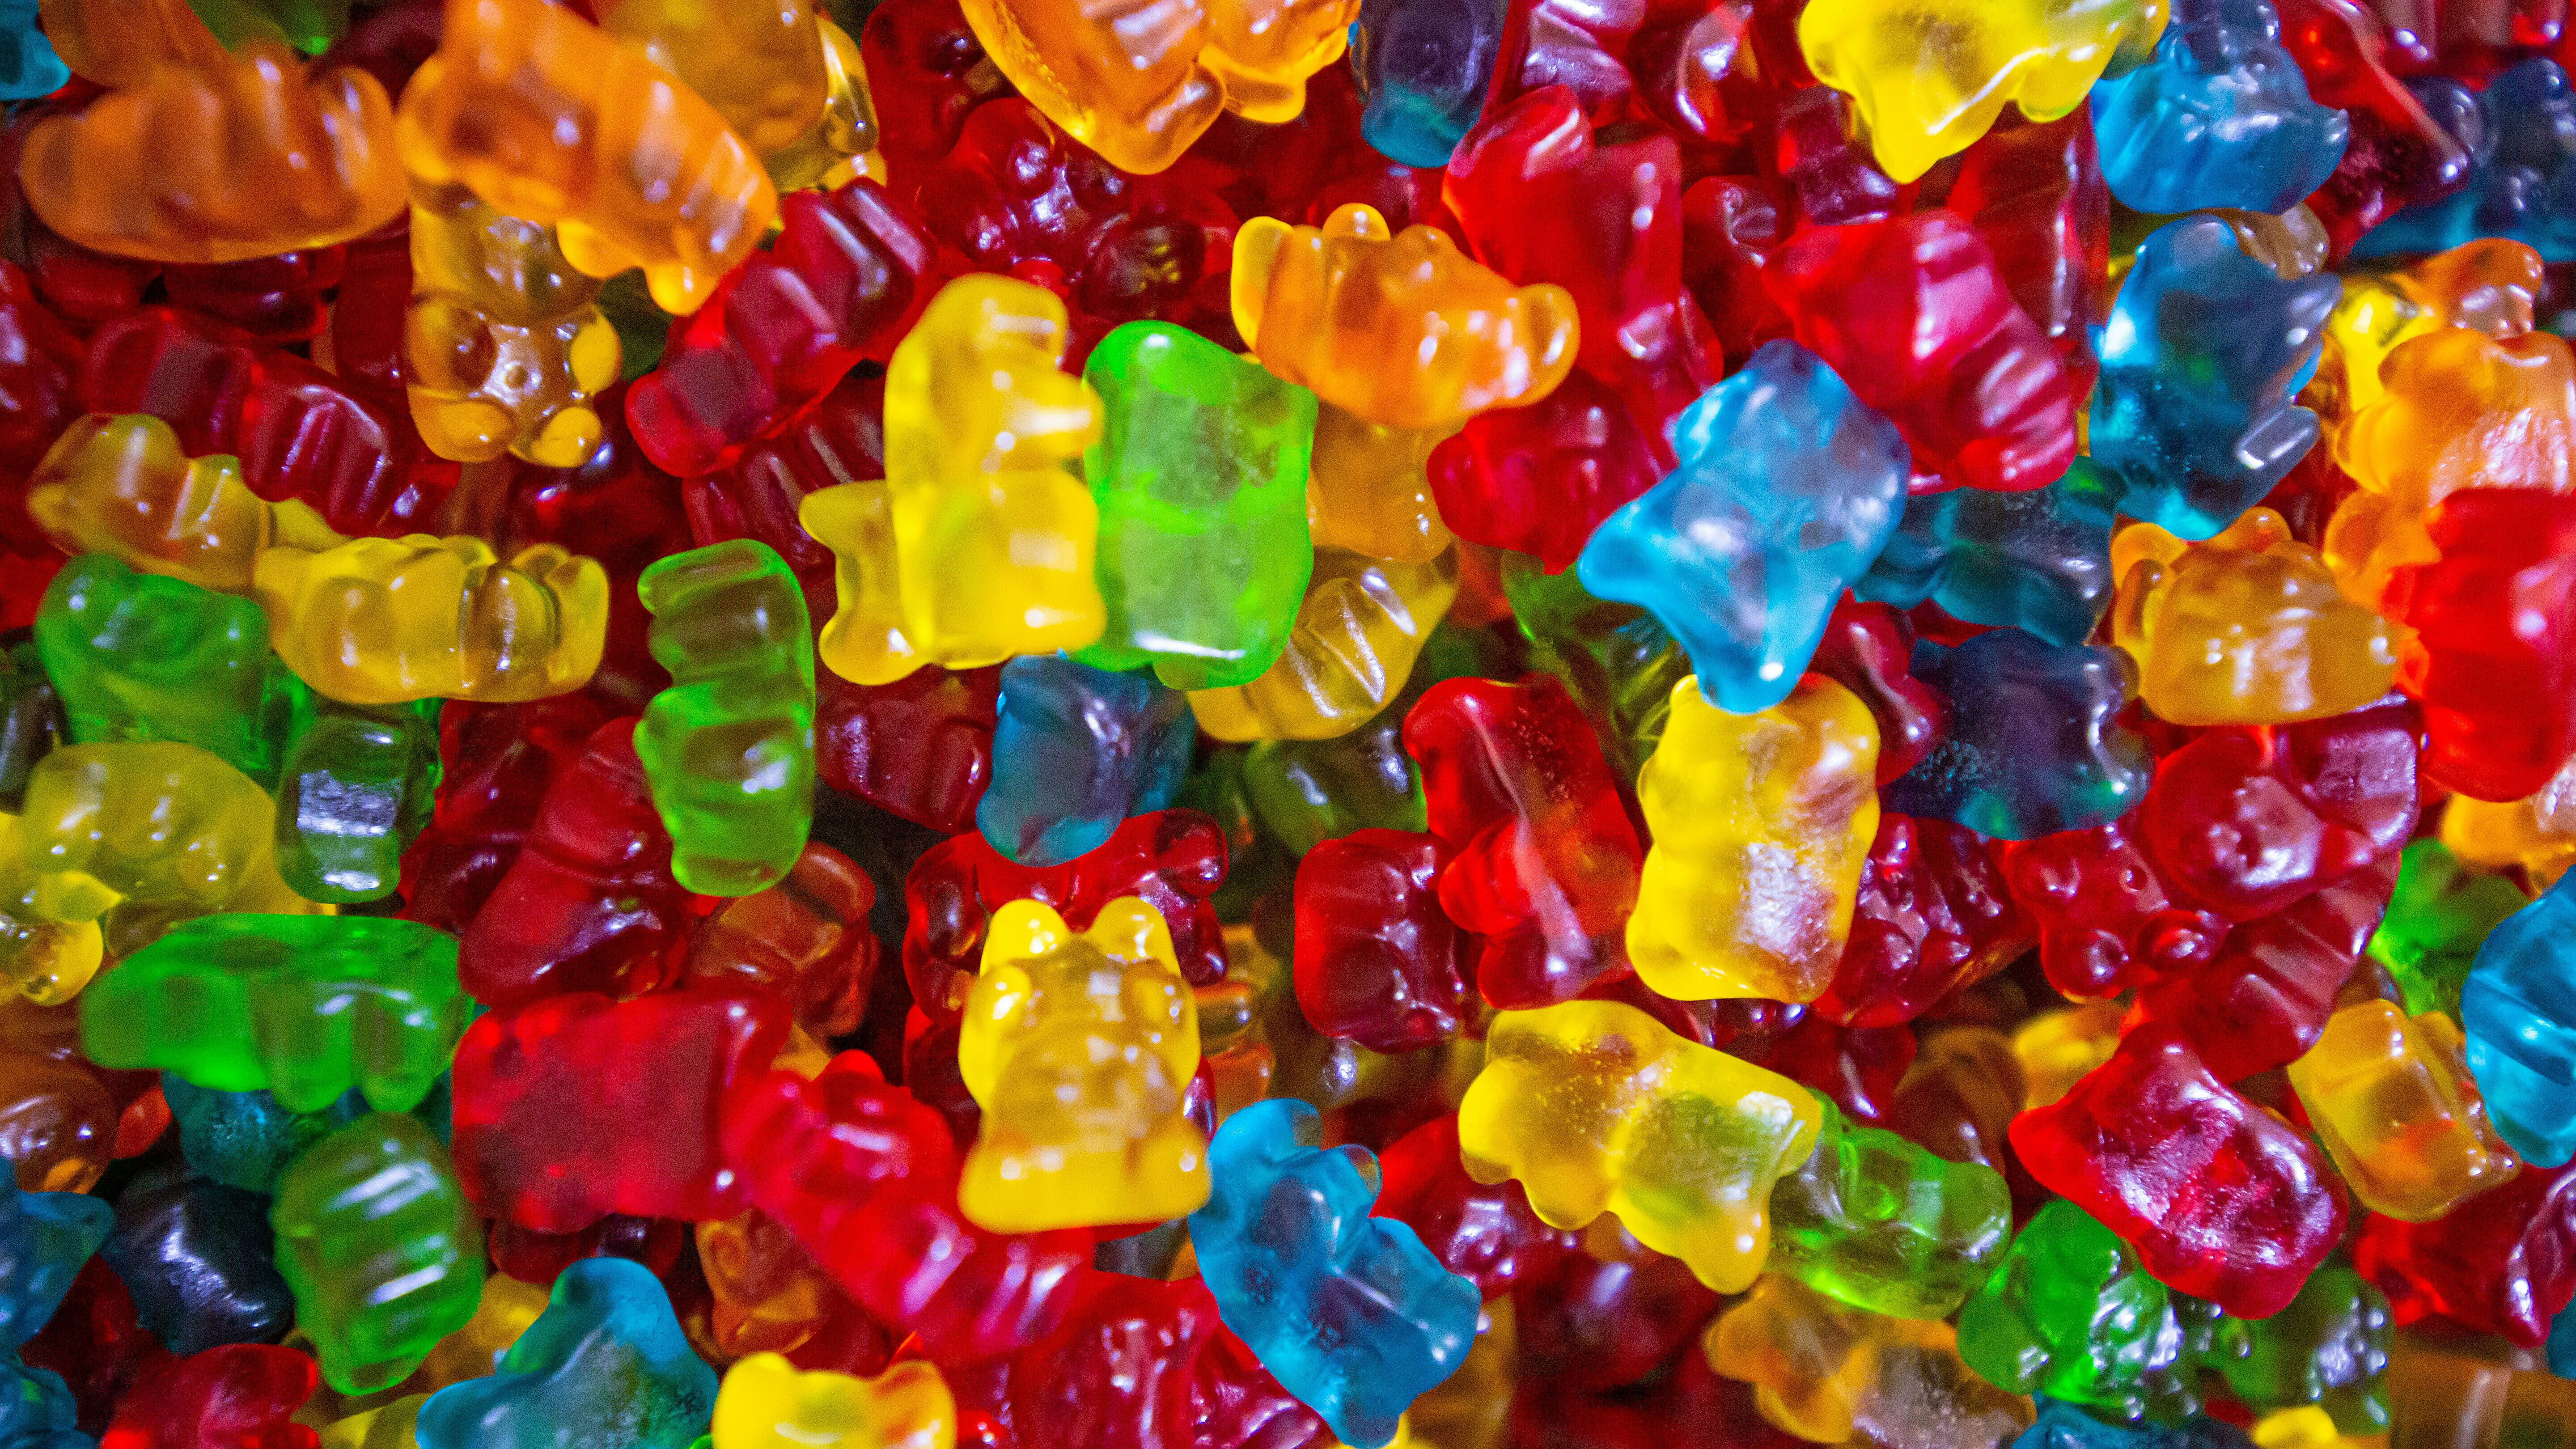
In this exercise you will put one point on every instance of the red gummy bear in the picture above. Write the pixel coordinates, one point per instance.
(2396, 156)
(590, 903)
(1932, 916)
(1828, 174)
(2035, 192)
(2505, 1265)
(865, 1178)
(927, 73)
(2492, 652)
(299, 431)
(1859, 1067)
(39, 361)
(839, 438)
(1539, 479)
(540, 1258)
(843, 282)
(921, 747)
(95, 1343)
(234, 1397)
(1915, 315)
(1868, 649)
(2106, 922)
(1376, 960)
(1172, 860)
(578, 1106)
(2220, 1198)
(1018, 196)
(1591, 1323)
(1483, 1232)
(2264, 999)
(497, 761)
(1543, 859)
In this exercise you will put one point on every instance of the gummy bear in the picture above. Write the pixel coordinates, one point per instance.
(1080, 1048)
(1880, 1223)
(2035, 560)
(2035, 746)
(2218, 117)
(2069, 1313)
(1139, 95)
(45, 1237)
(1377, 959)
(764, 1403)
(2504, 1267)
(1200, 474)
(385, 621)
(1932, 916)
(2329, 1348)
(237, 1396)
(1540, 479)
(1788, 488)
(605, 1367)
(1360, 629)
(1351, 1311)
(305, 1007)
(1914, 314)
(1761, 825)
(2193, 422)
(380, 1247)
(198, 1257)
(2513, 1010)
(2440, 915)
(355, 788)
(122, 486)
(1424, 72)
(1829, 1373)
(1595, 1107)
(1077, 750)
(2487, 641)
(2393, 1104)
(135, 656)
(1400, 329)
(245, 157)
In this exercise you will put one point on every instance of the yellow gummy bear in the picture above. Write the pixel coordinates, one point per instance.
(2308, 1427)
(1930, 76)
(50, 944)
(1761, 824)
(157, 824)
(123, 486)
(1138, 83)
(388, 1426)
(2056, 1048)
(2458, 409)
(2247, 628)
(504, 339)
(504, 1312)
(1367, 491)
(978, 544)
(2537, 834)
(2392, 1102)
(1595, 1107)
(842, 142)
(1832, 1374)
(389, 620)
(1405, 330)
(1359, 629)
(2489, 285)
(765, 1403)
(759, 63)
(1080, 1049)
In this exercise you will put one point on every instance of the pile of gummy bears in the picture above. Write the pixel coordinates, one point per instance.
(1263, 724)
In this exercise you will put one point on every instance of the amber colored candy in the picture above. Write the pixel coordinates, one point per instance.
(123, 486)
(547, 117)
(387, 620)
(2536, 834)
(759, 63)
(2246, 628)
(1368, 490)
(1359, 630)
(119, 42)
(1398, 328)
(2489, 285)
(244, 158)
(1833, 1374)
(842, 142)
(1139, 83)
(2393, 1102)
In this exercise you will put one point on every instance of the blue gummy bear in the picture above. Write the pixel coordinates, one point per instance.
(2220, 116)
(2063, 1426)
(2518, 1011)
(45, 1237)
(28, 65)
(1424, 68)
(1349, 1312)
(604, 1367)
(246, 1139)
(2192, 420)
(2520, 135)
(1788, 488)
(2039, 561)
(37, 1410)
(200, 1260)
(2034, 746)
(1076, 750)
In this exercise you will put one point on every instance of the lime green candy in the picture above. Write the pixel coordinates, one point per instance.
(728, 749)
(1200, 475)
(384, 1255)
(305, 1007)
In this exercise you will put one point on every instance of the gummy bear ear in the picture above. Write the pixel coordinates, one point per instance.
(1257, 244)
(1127, 929)
(1022, 929)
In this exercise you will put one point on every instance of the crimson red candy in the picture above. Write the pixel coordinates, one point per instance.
(2503, 1263)
(2106, 921)
(497, 762)
(1932, 916)
(2221, 1199)
(2493, 653)
(1858, 1067)
(837, 438)
(1539, 479)
(1483, 1232)
(921, 747)
(1594, 1323)
(1377, 960)
(1868, 649)
(548, 1098)
(234, 1397)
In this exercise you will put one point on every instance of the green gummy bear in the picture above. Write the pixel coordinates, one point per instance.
(728, 748)
(308, 25)
(1200, 475)
(357, 785)
(1883, 1224)
(1614, 659)
(141, 657)
(2071, 1313)
(380, 1247)
(1311, 791)
(2440, 915)
(303, 1006)
(2328, 1348)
